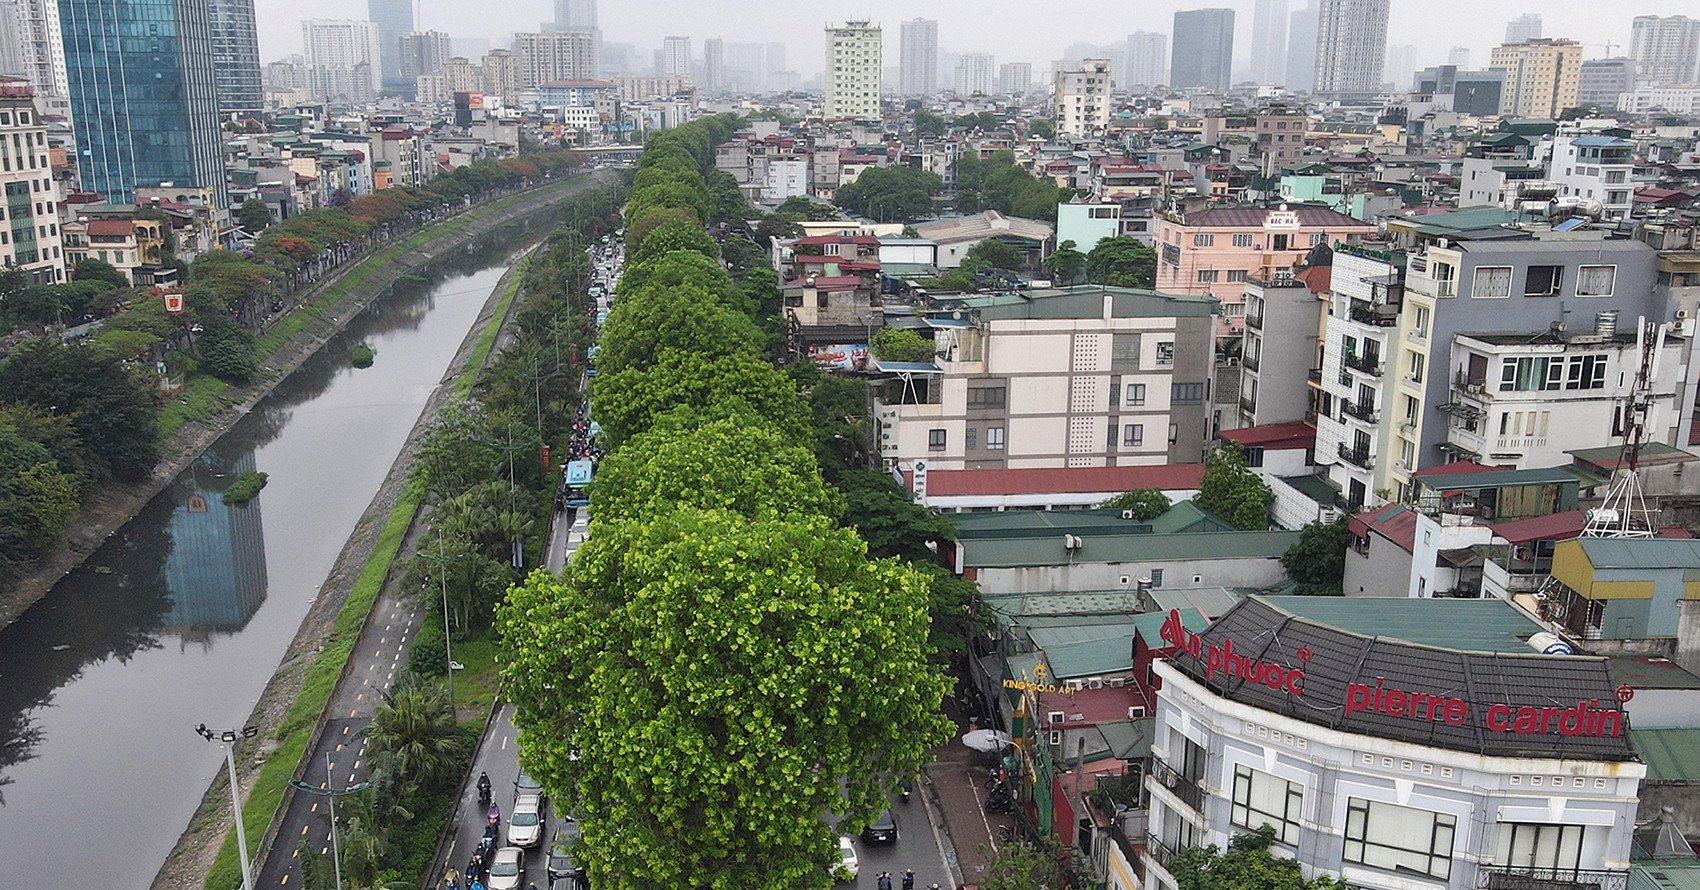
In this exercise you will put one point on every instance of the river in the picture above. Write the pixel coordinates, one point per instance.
(183, 615)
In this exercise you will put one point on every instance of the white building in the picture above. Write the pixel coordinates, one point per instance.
(786, 178)
(918, 58)
(1015, 78)
(1353, 425)
(341, 55)
(675, 57)
(854, 60)
(1147, 59)
(32, 196)
(1595, 168)
(554, 55)
(1082, 99)
(41, 51)
(1351, 46)
(1666, 49)
(1676, 100)
(976, 73)
(1391, 749)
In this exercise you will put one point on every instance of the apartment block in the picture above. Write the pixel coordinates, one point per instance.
(31, 241)
(1542, 77)
(1082, 99)
(854, 66)
(554, 55)
(1281, 326)
(1595, 168)
(1357, 409)
(1666, 49)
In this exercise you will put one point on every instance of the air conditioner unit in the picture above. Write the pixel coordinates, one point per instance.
(1073, 685)
(1117, 682)
(1054, 717)
(1134, 712)
(1127, 514)
(1095, 683)
(1056, 737)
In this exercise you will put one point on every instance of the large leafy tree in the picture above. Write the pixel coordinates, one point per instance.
(254, 216)
(631, 400)
(900, 345)
(888, 519)
(1246, 865)
(685, 267)
(1067, 264)
(705, 689)
(999, 254)
(112, 409)
(638, 230)
(1318, 561)
(413, 736)
(1122, 262)
(735, 463)
(673, 235)
(1232, 491)
(1146, 503)
(891, 193)
(686, 318)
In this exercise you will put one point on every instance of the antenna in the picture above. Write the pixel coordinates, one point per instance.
(1624, 513)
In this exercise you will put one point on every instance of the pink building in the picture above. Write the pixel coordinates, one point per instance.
(1214, 251)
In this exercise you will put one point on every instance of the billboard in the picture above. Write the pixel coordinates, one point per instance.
(840, 356)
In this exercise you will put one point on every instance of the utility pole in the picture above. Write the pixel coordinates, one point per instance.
(328, 792)
(228, 737)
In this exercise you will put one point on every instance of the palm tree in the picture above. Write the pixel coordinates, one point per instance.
(413, 734)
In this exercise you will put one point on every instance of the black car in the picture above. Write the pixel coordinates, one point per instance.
(561, 864)
(883, 830)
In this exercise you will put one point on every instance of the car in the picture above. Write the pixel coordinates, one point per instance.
(506, 869)
(525, 823)
(561, 849)
(525, 784)
(883, 830)
(849, 866)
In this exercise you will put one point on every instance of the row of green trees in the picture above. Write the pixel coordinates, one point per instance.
(722, 672)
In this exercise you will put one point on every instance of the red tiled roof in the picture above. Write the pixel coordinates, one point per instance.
(1395, 522)
(110, 227)
(1662, 457)
(1319, 279)
(1310, 216)
(1461, 466)
(1289, 436)
(1552, 527)
(1104, 705)
(1675, 531)
(828, 282)
(1064, 480)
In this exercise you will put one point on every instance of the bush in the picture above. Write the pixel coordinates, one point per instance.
(227, 351)
(895, 345)
(245, 488)
(360, 355)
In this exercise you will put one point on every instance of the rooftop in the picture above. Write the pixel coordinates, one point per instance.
(986, 224)
(1087, 301)
(1396, 522)
(1671, 755)
(1610, 457)
(1496, 478)
(1651, 672)
(1291, 436)
(1063, 480)
(1479, 625)
(1310, 216)
(1642, 553)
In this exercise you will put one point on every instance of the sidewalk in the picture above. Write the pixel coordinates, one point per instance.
(956, 779)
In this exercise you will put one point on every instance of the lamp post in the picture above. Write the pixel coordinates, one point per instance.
(228, 738)
(332, 794)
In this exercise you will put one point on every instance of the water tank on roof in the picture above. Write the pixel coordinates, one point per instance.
(1548, 643)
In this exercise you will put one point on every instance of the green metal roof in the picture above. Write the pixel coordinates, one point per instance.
(1650, 672)
(1087, 658)
(1682, 874)
(1464, 219)
(1497, 479)
(1642, 553)
(1129, 739)
(1671, 755)
(1480, 625)
(1181, 517)
(1048, 550)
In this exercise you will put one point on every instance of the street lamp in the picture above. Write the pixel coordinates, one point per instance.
(333, 794)
(228, 738)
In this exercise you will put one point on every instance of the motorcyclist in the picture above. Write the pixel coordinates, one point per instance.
(885, 880)
(908, 879)
(484, 787)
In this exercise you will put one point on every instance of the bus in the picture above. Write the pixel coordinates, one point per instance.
(579, 473)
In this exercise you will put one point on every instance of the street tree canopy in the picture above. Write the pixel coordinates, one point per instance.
(680, 268)
(891, 193)
(631, 400)
(1318, 561)
(686, 318)
(1232, 491)
(702, 690)
(670, 235)
(638, 229)
(1122, 262)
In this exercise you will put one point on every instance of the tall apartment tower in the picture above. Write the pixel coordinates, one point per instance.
(41, 49)
(1083, 99)
(1301, 48)
(236, 55)
(1204, 49)
(918, 57)
(394, 19)
(575, 15)
(1351, 46)
(1542, 76)
(854, 56)
(676, 57)
(423, 53)
(1401, 66)
(1523, 28)
(1269, 41)
(554, 55)
(976, 73)
(714, 64)
(343, 57)
(1458, 56)
(143, 118)
(1147, 59)
(499, 73)
(1666, 49)
(1015, 78)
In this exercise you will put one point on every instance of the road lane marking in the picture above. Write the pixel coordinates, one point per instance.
(303, 829)
(313, 809)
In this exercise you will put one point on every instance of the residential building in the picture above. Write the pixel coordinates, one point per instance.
(31, 242)
(554, 55)
(1015, 78)
(1269, 41)
(956, 236)
(1216, 250)
(1401, 66)
(633, 88)
(1314, 751)
(976, 74)
(1281, 327)
(575, 15)
(460, 76)
(1058, 488)
(11, 39)
(918, 58)
(1089, 376)
(1523, 28)
(1646, 100)
(830, 284)
(1280, 133)
(1082, 99)
(675, 57)
(1595, 169)
(1301, 48)
(424, 52)
(1355, 409)
(1458, 57)
(1203, 54)
(143, 118)
(1603, 80)
(1666, 49)
(775, 65)
(41, 50)
(1147, 59)
(1542, 77)
(1087, 223)
(854, 66)
(714, 64)
(1499, 171)
(236, 55)
(393, 20)
(342, 58)
(1623, 589)
(135, 247)
(500, 73)
(1351, 47)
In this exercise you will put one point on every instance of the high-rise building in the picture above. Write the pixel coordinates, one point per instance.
(774, 63)
(976, 73)
(1351, 46)
(714, 64)
(1666, 49)
(394, 19)
(499, 74)
(548, 56)
(1603, 80)
(1269, 41)
(745, 67)
(342, 58)
(460, 76)
(1147, 59)
(575, 15)
(12, 40)
(1401, 66)
(1015, 78)
(1523, 28)
(918, 54)
(34, 245)
(236, 55)
(1458, 56)
(41, 49)
(676, 57)
(854, 56)
(1301, 49)
(143, 118)
(1204, 50)
(1082, 99)
(424, 52)
(1542, 76)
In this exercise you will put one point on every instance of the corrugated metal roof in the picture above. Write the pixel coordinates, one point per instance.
(1129, 739)
(1650, 672)
(1642, 553)
(1481, 625)
(1048, 550)
(1671, 755)
(1090, 658)
(1681, 875)
(1497, 478)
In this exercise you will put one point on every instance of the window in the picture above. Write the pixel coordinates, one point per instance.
(1531, 374)
(1208, 276)
(1262, 799)
(935, 440)
(1318, 238)
(987, 396)
(1186, 393)
(1133, 434)
(1586, 372)
(970, 438)
(1420, 321)
(1242, 240)
(1539, 846)
(1136, 394)
(1417, 360)
(1543, 281)
(1174, 433)
(1491, 283)
(1595, 281)
(1236, 275)
(1204, 241)
(994, 438)
(1194, 762)
(1166, 353)
(1396, 838)
(1124, 349)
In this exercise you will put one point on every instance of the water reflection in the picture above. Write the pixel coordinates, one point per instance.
(217, 567)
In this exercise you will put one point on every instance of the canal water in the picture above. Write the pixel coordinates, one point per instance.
(183, 615)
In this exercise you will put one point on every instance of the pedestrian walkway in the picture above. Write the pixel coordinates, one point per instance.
(957, 781)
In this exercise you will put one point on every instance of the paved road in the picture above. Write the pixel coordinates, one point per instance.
(920, 845)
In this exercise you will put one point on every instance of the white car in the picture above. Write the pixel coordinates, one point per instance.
(848, 864)
(525, 823)
(505, 870)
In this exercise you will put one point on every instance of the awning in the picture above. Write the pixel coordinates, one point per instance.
(923, 368)
(1467, 412)
(1461, 451)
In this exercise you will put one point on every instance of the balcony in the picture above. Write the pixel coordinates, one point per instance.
(1357, 457)
(1314, 375)
(1362, 411)
(1369, 364)
(1250, 362)
(1159, 852)
(1380, 316)
(1188, 791)
(1255, 322)
(1471, 386)
(1507, 877)
(1248, 406)
(1346, 504)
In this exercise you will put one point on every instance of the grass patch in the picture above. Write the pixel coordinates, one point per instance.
(487, 337)
(246, 487)
(477, 684)
(360, 355)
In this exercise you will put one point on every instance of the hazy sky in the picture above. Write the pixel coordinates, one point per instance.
(1012, 30)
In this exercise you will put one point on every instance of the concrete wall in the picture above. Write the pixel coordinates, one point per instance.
(1293, 508)
(1284, 350)
(1386, 571)
(1178, 574)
